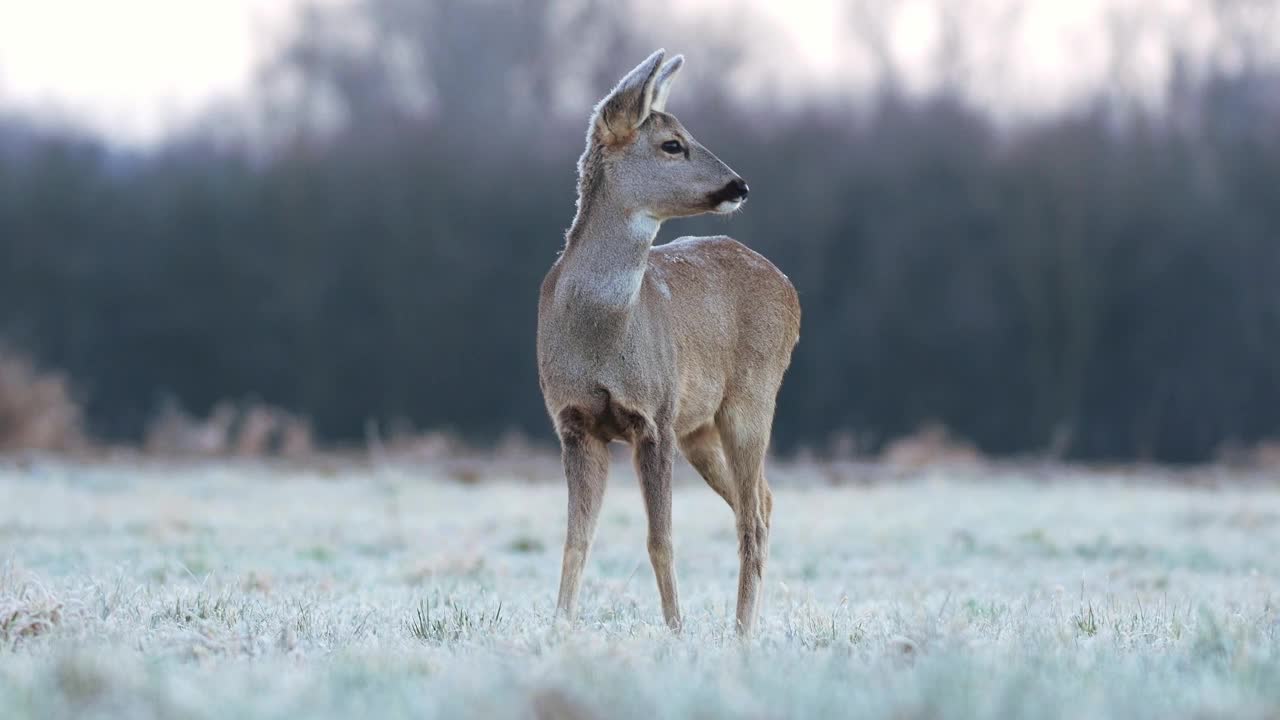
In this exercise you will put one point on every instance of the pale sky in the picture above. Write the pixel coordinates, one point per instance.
(136, 68)
(133, 67)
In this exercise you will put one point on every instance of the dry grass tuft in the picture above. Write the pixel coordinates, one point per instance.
(250, 430)
(931, 445)
(403, 441)
(555, 704)
(27, 610)
(37, 410)
(1265, 455)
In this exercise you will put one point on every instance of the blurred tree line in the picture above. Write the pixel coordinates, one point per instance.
(1099, 283)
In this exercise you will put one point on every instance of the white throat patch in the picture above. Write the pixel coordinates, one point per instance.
(613, 280)
(643, 225)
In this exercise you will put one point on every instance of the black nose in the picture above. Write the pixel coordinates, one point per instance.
(735, 191)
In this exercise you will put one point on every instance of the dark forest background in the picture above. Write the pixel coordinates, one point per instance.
(1099, 282)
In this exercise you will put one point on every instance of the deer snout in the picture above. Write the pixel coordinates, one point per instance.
(729, 197)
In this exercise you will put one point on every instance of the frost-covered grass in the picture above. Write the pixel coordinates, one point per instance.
(234, 591)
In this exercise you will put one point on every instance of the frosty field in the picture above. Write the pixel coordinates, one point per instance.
(242, 591)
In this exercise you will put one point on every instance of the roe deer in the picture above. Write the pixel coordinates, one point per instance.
(681, 345)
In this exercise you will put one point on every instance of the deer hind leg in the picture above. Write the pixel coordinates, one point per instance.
(654, 451)
(586, 468)
(744, 432)
(703, 450)
(767, 496)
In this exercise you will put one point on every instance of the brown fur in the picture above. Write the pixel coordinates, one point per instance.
(682, 345)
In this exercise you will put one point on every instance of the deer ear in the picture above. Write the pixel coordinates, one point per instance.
(626, 107)
(662, 84)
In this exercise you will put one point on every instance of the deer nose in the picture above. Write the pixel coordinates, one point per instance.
(734, 192)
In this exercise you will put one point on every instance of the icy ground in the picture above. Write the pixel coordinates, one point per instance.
(238, 591)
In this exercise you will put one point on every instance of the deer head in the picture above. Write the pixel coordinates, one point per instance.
(646, 158)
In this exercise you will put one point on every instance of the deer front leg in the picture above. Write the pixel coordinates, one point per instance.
(586, 468)
(653, 457)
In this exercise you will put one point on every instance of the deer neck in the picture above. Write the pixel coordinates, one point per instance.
(606, 255)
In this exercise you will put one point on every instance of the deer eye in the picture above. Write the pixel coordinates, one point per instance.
(672, 146)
